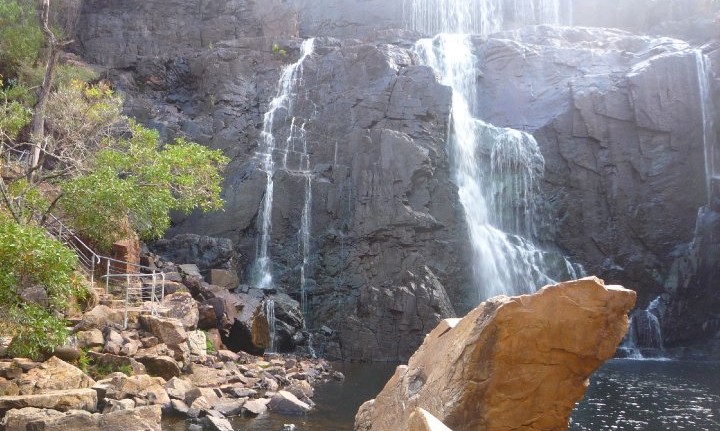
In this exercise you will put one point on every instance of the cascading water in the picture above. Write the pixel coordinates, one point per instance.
(270, 317)
(644, 338)
(281, 110)
(497, 170)
(712, 156)
(483, 16)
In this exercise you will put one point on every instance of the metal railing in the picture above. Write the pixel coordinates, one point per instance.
(135, 292)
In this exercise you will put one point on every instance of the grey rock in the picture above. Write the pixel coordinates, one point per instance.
(218, 424)
(256, 406)
(182, 306)
(63, 400)
(286, 403)
(205, 252)
(161, 366)
(168, 330)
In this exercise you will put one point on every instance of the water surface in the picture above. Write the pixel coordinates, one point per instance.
(624, 395)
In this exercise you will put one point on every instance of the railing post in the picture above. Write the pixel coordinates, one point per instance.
(127, 300)
(92, 273)
(107, 277)
(162, 288)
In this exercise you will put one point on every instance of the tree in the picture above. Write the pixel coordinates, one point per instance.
(140, 181)
(37, 276)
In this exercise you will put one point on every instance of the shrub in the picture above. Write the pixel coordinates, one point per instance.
(29, 258)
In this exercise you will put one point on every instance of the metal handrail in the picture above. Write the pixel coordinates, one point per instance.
(88, 258)
(153, 291)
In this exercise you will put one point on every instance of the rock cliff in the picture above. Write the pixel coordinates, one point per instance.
(511, 363)
(617, 117)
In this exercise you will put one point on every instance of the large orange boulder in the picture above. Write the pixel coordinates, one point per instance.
(513, 363)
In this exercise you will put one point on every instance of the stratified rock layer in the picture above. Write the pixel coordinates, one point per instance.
(511, 363)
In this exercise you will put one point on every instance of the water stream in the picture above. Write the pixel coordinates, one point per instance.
(497, 170)
(278, 114)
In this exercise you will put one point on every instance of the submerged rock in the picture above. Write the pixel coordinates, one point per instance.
(511, 363)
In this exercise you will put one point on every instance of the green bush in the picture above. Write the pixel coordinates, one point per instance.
(20, 35)
(137, 181)
(30, 258)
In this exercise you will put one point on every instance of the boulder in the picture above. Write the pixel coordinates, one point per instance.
(421, 420)
(100, 317)
(142, 387)
(90, 338)
(257, 406)
(178, 388)
(182, 306)
(218, 424)
(230, 407)
(224, 278)
(245, 324)
(71, 399)
(511, 363)
(161, 366)
(53, 375)
(17, 419)
(197, 343)
(8, 387)
(206, 377)
(137, 419)
(288, 404)
(167, 330)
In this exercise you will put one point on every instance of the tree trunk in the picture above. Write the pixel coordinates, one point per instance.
(38, 123)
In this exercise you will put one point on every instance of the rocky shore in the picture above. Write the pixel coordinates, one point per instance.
(125, 369)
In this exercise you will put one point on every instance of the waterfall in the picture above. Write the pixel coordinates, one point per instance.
(270, 316)
(712, 164)
(483, 16)
(644, 338)
(497, 171)
(281, 108)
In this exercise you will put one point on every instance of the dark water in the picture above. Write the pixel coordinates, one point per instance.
(336, 402)
(631, 395)
(624, 395)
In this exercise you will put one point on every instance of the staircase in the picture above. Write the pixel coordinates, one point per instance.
(140, 290)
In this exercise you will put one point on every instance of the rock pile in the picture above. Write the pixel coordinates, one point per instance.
(58, 395)
(173, 361)
(511, 363)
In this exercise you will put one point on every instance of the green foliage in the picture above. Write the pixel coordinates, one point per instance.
(29, 258)
(139, 182)
(38, 331)
(14, 111)
(209, 346)
(277, 51)
(20, 35)
(64, 76)
(83, 361)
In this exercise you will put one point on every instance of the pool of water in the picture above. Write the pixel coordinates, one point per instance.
(632, 395)
(624, 395)
(336, 403)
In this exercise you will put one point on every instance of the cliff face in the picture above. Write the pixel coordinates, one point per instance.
(617, 117)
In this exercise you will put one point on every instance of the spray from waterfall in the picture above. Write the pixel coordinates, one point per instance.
(280, 109)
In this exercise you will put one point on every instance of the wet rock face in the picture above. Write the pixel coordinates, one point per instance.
(382, 203)
(623, 173)
(512, 363)
(619, 121)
